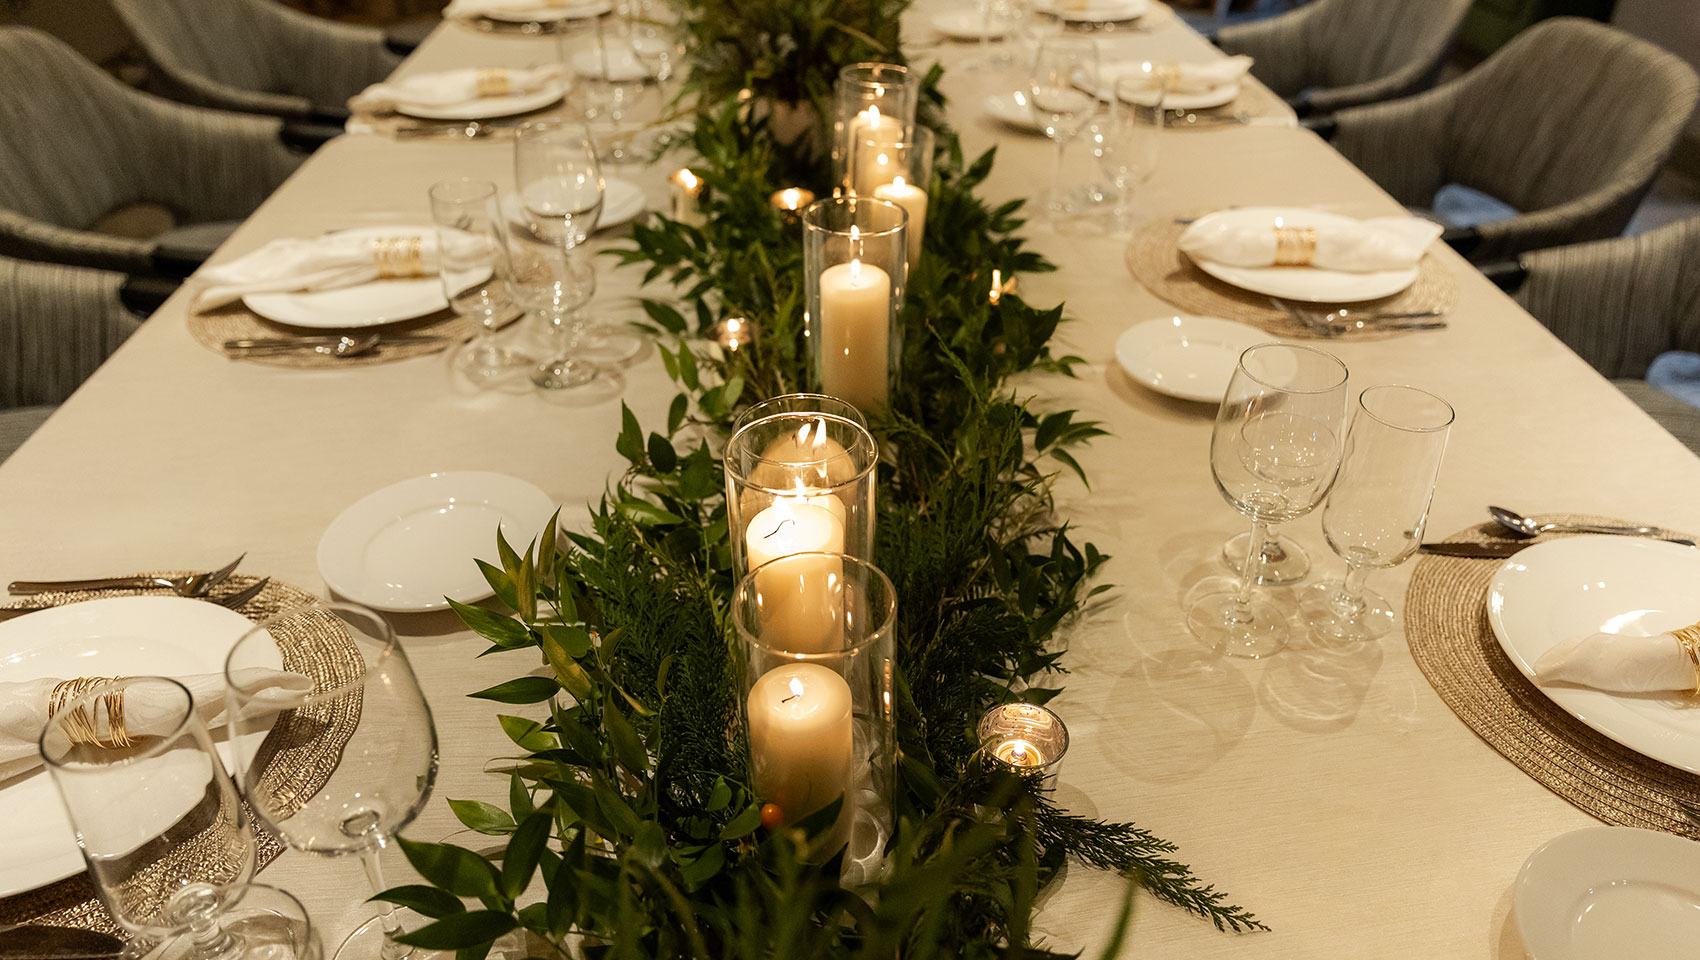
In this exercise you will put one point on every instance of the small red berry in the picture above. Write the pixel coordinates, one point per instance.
(771, 815)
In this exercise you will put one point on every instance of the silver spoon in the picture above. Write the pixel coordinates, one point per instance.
(1521, 526)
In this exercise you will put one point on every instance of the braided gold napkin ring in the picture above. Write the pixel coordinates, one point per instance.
(82, 725)
(1294, 246)
(1689, 638)
(493, 83)
(398, 256)
(1167, 75)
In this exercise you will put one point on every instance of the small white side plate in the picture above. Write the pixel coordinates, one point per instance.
(1303, 283)
(622, 202)
(407, 546)
(1096, 11)
(118, 636)
(1201, 100)
(1192, 358)
(1013, 109)
(543, 13)
(1603, 584)
(970, 25)
(364, 305)
(1610, 893)
(486, 108)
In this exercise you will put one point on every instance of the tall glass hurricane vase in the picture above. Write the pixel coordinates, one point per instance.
(1379, 505)
(388, 762)
(1274, 453)
(869, 100)
(855, 270)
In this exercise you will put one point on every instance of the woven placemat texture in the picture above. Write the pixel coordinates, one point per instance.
(1155, 259)
(1447, 627)
(212, 328)
(299, 754)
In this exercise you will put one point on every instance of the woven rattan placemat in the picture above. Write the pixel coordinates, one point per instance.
(1447, 628)
(302, 750)
(1155, 260)
(212, 328)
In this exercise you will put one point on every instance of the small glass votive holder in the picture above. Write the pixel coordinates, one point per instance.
(685, 191)
(734, 334)
(896, 164)
(815, 634)
(869, 94)
(800, 478)
(1023, 738)
(791, 200)
(855, 270)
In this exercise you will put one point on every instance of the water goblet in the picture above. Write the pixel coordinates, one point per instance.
(561, 191)
(1124, 142)
(472, 247)
(1061, 66)
(1273, 453)
(1379, 505)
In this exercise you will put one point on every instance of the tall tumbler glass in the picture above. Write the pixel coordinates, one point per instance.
(155, 815)
(1274, 453)
(368, 698)
(855, 269)
(1379, 505)
(472, 245)
(1060, 67)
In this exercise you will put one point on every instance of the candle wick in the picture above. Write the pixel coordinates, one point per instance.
(790, 698)
(780, 527)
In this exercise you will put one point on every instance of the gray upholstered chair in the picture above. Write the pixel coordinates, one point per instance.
(1333, 54)
(75, 144)
(57, 324)
(1567, 124)
(256, 56)
(1619, 303)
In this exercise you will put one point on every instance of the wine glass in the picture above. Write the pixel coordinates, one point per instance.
(561, 190)
(1379, 505)
(612, 77)
(1273, 453)
(1124, 142)
(472, 248)
(1059, 103)
(387, 763)
(156, 818)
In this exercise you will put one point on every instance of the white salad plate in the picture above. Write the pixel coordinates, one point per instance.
(522, 12)
(1012, 108)
(1302, 283)
(622, 202)
(1192, 358)
(487, 108)
(970, 25)
(113, 637)
(1603, 584)
(1095, 11)
(363, 305)
(1199, 100)
(1610, 893)
(405, 547)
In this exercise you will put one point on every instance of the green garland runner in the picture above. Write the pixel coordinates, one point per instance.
(632, 798)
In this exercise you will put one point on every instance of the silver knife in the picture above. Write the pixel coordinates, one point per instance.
(291, 343)
(1496, 550)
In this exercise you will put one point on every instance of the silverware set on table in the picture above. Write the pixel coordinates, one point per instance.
(1342, 321)
(1521, 532)
(195, 586)
(337, 346)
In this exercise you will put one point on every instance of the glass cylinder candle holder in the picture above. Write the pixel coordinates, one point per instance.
(855, 263)
(800, 478)
(815, 633)
(898, 167)
(1023, 738)
(869, 96)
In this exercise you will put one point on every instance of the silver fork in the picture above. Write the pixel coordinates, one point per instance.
(234, 601)
(187, 585)
(1320, 325)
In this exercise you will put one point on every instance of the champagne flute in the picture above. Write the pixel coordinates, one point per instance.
(472, 248)
(386, 767)
(561, 189)
(1379, 505)
(1059, 103)
(1273, 453)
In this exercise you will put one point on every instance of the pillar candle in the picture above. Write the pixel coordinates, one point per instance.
(855, 325)
(800, 738)
(801, 602)
(914, 201)
(873, 154)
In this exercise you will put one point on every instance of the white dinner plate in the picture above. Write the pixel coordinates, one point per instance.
(1303, 283)
(407, 546)
(1603, 584)
(970, 25)
(485, 108)
(363, 305)
(622, 202)
(1200, 100)
(1610, 893)
(1188, 357)
(118, 636)
(1013, 109)
(1095, 11)
(521, 12)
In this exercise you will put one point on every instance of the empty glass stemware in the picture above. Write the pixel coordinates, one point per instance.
(1124, 142)
(1379, 505)
(1273, 453)
(472, 247)
(561, 191)
(1059, 103)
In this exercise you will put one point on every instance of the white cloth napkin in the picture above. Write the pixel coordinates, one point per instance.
(623, 64)
(1179, 77)
(1619, 664)
(23, 709)
(540, 8)
(1385, 243)
(450, 87)
(321, 263)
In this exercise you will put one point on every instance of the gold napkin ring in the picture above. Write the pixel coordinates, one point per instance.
(1689, 638)
(398, 256)
(1294, 246)
(82, 725)
(493, 83)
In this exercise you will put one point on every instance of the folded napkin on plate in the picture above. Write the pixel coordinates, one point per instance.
(331, 262)
(1173, 77)
(453, 86)
(1101, 10)
(1386, 243)
(1624, 664)
(24, 714)
(481, 8)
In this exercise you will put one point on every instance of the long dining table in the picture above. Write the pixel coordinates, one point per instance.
(1333, 794)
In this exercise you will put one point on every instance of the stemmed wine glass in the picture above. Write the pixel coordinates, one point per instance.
(472, 247)
(1125, 143)
(1379, 505)
(561, 189)
(1274, 453)
(387, 764)
(1059, 103)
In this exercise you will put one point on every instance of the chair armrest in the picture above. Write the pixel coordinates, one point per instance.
(28, 239)
(1465, 240)
(1507, 275)
(196, 90)
(1324, 126)
(143, 295)
(1400, 144)
(1596, 215)
(307, 137)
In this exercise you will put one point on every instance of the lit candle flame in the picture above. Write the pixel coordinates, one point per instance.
(792, 198)
(897, 181)
(796, 687)
(1018, 752)
(855, 272)
(687, 179)
(997, 284)
(873, 116)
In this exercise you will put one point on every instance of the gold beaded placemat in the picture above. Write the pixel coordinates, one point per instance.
(1155, 259)
(302, 750)
(212, 328)
(1446, 626)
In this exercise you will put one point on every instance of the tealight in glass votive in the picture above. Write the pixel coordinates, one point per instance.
(855, 269)
(896, 165)
(815, 635)
(792, 200)
(685, 190)
(876, 97)
(1023, 738)
(800, 478)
